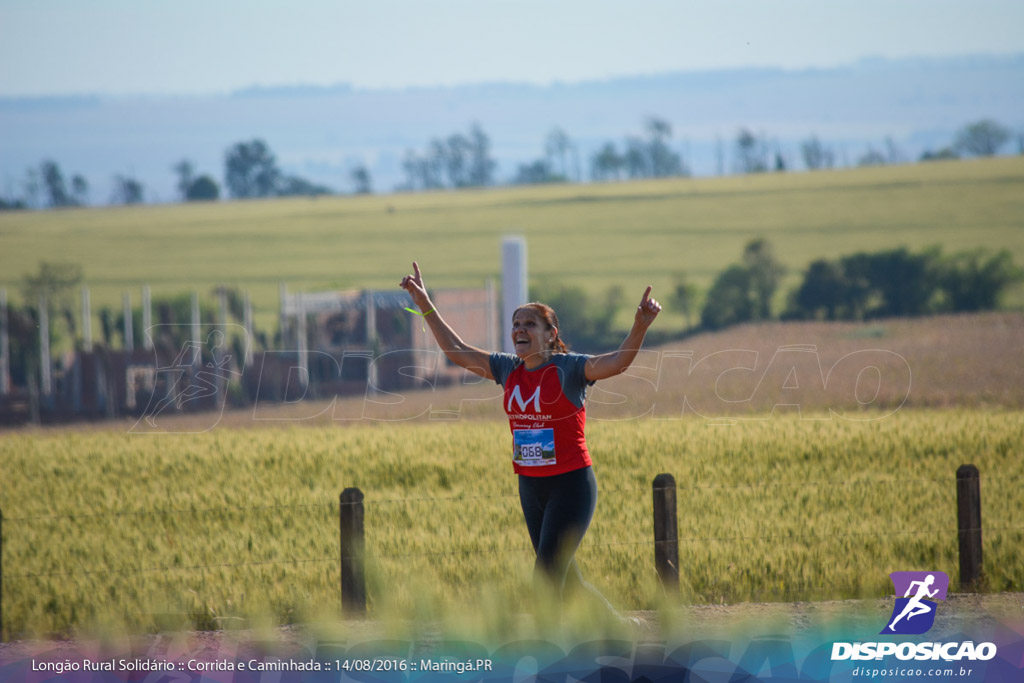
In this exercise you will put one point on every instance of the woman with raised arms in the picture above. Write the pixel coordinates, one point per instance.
(545, 390)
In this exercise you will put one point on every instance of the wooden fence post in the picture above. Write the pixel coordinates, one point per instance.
(968, 514)
(666, 532)
(353, 543)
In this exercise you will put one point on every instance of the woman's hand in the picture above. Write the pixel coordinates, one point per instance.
(414, 285)
(456, 350)
(647, 311)
(610, 364)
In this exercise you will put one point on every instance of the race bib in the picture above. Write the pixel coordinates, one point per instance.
(533, 447)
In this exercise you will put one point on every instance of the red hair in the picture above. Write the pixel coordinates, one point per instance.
(547, 314)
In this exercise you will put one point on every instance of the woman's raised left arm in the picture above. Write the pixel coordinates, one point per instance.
(610, 364)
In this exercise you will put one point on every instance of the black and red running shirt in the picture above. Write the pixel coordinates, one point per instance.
(546, 412)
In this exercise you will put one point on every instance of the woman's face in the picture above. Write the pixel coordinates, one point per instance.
(530, 334)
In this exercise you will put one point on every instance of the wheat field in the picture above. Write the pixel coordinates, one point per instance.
(104, 529)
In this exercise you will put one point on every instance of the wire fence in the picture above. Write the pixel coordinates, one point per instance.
(333, 505)
(334, 508)
(504, 502)
(588, 548)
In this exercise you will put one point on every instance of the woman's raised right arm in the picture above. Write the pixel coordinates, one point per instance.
(457, 351)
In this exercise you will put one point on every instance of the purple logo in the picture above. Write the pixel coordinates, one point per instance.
(914, 613)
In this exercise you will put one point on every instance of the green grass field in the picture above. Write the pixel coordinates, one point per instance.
(103, 529)
(629, 233)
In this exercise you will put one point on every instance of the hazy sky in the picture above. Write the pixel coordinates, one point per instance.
(202, 46)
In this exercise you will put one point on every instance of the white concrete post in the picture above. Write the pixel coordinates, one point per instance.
(282, 293)
(302, 342)
(248, 330)
(371, 334)
(86, 320)
(129, 329)
(222, 309)
(196, 331)
(147, 318)
(489, 316)
(45, 383)
(513, 284)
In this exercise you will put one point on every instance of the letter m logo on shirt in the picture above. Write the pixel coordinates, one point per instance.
(517, 396)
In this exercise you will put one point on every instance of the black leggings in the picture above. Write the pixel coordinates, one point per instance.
(558, 511)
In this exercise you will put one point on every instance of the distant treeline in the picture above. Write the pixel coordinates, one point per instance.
(861, 286)
(462, 160)
(898, 282)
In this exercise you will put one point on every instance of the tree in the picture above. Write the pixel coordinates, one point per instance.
(872, 157)
(658, 129)
(360, 177)
(127, 190)
(481, 165)
(465, 160)
(32, 186)
(294, 186)
(684, 297)
(981, 138)
(607, 163)
(816, 155)
(425, 172)
(765, 274)
(751, 152)
(412, 166)
(728, 301)
(940, 154)
(585, 321)
(536, 173)
(80, 189)
(55, 281)
(893, 153)
(899, 283)
(457, 151)
(663, 161)
(250, 170)
(433, 165)
(744, 292)
(203, 188)
(974, 281)
(891, 283)
(186, 176)
(821, 294)
(12, 204)
(557, 146)
(53, 181)
(635, 159)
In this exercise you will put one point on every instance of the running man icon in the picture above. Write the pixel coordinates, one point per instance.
(917, 588)
(190, 381)
(196, 380)
(915, 606)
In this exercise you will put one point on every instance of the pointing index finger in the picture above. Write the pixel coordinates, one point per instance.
(647, 294)
(416, 269)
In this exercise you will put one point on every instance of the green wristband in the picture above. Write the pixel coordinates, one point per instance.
(418, 313)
